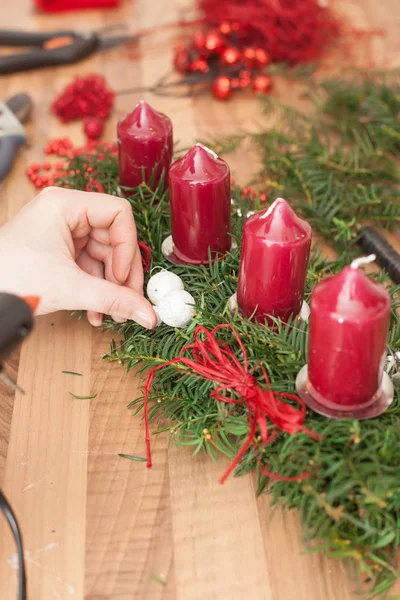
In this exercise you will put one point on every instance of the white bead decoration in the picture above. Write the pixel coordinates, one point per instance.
(176, 308)
(161, 284)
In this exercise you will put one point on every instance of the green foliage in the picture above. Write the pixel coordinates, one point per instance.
(339, 167)
(350, 505)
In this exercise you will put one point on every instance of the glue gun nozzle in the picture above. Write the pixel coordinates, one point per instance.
(32, 302)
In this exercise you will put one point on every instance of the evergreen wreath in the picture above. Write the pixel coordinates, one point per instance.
(338, 168)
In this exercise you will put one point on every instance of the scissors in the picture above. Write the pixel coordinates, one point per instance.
(13, 114)
(62, 47)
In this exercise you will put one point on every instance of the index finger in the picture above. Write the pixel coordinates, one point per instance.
(87, 210)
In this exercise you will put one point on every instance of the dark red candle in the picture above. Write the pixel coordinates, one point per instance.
(273, 264)
(349, 325)
(200, 205)
(144, 141)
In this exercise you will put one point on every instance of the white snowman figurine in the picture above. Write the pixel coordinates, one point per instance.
(172, 304)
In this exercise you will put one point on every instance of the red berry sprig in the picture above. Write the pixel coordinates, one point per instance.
(93, 128)
(47, 173)
(219, 55)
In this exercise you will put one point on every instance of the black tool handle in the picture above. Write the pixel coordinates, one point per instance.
(386, 256)
(16, 322)
(82, 46)
(10, 37)
(8, 150)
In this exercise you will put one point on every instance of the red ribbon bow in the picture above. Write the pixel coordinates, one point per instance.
(214, 360)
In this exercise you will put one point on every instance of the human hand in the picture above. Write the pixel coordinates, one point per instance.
(76, 251)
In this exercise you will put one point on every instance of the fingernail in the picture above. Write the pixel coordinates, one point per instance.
(127, 271)
(143, 318)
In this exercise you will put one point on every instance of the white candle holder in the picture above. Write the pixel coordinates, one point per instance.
(303, 315)
(377, 405)
(168, 251)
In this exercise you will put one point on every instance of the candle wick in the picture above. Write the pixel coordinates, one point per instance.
(363, 260)
(213, 154)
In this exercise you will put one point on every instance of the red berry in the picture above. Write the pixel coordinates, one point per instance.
(249, 53)
(182, 61)
(199, 40)
(244, 78)
(221, 87)
(199, 65)
(230, 56)
(261, 58)
(213, 42)
(261, 83)
(46, 166)
(94, 128)
(225, 28)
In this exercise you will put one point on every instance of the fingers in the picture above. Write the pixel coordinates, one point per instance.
(95, 268)
(104, 253)
(109, 298)
(136, 278)
(85, 211)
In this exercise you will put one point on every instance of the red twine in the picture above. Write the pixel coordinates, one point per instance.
(214, 360)
(289, 30)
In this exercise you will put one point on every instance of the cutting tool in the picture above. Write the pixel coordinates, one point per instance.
(54, 48)
(13, 113)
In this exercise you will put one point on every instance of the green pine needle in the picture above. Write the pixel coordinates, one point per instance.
(71, 373)
(131, 457)
(82, 397)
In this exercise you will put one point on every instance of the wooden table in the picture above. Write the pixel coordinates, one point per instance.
(97, 526)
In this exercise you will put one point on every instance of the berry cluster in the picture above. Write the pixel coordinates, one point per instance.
(217, 54)
(47, 173)
(88, 99)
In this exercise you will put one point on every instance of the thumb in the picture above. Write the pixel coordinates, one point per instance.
(102, 296)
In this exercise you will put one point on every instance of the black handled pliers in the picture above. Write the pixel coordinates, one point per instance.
(55, 48)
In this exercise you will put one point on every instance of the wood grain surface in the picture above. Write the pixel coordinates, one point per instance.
(97, 526)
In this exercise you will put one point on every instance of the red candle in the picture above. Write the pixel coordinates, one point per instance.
(349, 325)
(273, 264)
(200, 206)
(144, 142)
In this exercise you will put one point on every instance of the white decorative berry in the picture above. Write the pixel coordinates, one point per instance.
(176, 308)
(305, 312)
(161, 284)
(232, 303)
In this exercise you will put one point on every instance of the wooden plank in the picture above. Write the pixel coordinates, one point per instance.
(292, 572)
(128, 535)
(45, 477)
(218, 543)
